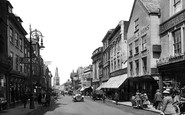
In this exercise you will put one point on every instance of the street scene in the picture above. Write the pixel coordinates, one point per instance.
(84, 59)
(64, 105)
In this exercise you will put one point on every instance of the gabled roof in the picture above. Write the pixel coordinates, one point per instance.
(152, 6)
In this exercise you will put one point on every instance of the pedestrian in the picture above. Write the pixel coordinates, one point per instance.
(48, 98)
(176, 101)
(168, 108)
(158, 100)
(24, 99)
(116, 97)
(138, 99)
(146, 101)
(103, 97)
(39, 98)
(43, 99)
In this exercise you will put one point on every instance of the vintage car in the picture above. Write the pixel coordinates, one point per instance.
(77, 96)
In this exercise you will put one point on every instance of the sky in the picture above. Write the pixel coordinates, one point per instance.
(72, 29)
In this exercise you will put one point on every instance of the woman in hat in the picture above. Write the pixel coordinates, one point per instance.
(168, 108)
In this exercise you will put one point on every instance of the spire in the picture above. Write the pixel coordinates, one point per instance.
(56, 80)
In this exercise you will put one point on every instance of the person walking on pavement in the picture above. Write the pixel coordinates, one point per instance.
(157, 99)
(167, 108)
(103, 97)
(116, 96)
(24, 99)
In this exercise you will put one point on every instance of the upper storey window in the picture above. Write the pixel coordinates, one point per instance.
(176, 6)
(177, 42)
(136, 24)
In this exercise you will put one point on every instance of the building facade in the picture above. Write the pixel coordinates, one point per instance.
(4, 60)
(16, 37)
(172, 32)
(106, 57)
(143, 47)
(96, 64)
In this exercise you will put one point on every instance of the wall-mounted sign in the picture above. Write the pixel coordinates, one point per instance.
(175, 20)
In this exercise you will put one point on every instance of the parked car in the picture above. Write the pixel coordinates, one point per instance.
(77, 96)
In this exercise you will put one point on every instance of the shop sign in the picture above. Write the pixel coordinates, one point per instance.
(140, 33)
(26, 60)
(172, 22)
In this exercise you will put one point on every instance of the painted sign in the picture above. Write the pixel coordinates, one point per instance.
(175, 20)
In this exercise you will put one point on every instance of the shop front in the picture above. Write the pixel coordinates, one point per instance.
(172, 71)
(116, 84)
(145, 84)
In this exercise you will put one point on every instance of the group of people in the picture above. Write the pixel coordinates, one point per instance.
(168, 101)
(43, 99)
(140, 100)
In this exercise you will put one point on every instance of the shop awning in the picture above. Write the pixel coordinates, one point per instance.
(101, 86)
(115, 82)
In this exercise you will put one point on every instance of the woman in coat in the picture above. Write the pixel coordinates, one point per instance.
(168, 108)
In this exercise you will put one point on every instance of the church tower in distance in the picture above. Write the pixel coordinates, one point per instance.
(56, 81)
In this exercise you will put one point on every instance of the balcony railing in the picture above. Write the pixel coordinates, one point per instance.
(171, 59)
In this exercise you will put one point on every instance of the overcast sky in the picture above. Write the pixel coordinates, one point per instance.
(72, 29)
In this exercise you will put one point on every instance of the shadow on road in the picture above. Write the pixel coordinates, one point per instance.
(43, 109)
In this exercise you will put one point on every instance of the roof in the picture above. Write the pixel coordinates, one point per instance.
(152, 6)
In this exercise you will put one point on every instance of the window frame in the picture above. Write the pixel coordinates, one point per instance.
(136, 25)
(177, 41)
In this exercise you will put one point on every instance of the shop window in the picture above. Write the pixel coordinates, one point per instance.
(177, 42)
(2, 87)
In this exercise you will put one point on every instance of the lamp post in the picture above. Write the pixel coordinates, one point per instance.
(35, 35)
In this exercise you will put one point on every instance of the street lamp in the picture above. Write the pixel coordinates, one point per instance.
(35, 35)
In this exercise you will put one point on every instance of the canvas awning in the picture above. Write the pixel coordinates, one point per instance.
(101, 86)
(115, 82)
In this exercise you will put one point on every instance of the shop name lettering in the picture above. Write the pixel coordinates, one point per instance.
(140, 33)
(174, 21)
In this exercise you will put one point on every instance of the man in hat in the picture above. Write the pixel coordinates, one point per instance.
(167, 107)
(157, 99)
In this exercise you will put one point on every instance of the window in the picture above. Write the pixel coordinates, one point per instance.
(17, 62)
(11, 35)
(137, 67)
(144, 42)
(144, 65)
(114, 63)
(177, 41)
(136, 24)
(177, 6)
(131, 69)
(20, 43)
(130, 49)
(16, 39)
(137, 46)
(118, 61)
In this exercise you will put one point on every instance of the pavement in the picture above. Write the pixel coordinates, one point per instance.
(20, 110)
